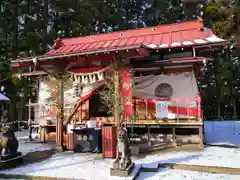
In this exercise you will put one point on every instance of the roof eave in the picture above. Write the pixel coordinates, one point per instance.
(48, 57)
(221, 43)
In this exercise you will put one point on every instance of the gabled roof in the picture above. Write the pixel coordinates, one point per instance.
(190, 33)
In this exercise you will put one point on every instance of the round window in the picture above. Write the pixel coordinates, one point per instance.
(163, 90)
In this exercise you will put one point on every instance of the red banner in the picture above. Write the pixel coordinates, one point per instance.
(126, 84)
(127, 93)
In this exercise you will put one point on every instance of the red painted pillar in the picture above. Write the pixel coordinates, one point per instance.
(70, 137)
(109, 141)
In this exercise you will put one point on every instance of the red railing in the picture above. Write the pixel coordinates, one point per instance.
(178, 108)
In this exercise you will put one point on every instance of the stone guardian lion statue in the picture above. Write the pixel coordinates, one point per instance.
(9, 142)
(123, 150)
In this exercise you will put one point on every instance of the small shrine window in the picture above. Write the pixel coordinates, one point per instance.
(164, 90)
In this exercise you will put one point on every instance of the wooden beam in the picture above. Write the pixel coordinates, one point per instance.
(34, 73)
(168, 64)
(200, 168)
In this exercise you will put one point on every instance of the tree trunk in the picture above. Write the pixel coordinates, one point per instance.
(219, 110)
(234, 108)
(46, 3)
(15, 31)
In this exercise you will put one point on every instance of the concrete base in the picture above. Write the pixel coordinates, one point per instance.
(10, 161)
(122, 172)
(60, 148)
(134, 150)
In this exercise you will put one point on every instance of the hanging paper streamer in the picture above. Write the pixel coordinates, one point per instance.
(161, 109)
(93, 78)
(89, 78)
(100, 76)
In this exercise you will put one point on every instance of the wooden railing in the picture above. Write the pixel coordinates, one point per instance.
(179, 109)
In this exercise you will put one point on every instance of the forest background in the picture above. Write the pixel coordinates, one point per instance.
(29, 28)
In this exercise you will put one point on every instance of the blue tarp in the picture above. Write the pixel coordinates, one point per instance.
(3, 98)
(222, 132)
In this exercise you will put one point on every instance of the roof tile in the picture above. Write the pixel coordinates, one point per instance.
(162, 36)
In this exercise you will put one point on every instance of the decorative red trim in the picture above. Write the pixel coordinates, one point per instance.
(186, 111)
(187, 59)
(183, 111)
(85, 70)
(165, 99)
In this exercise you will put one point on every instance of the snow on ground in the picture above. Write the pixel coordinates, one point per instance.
(86, 166)
(13, 179)
(69, 165)
(32, 147)
(21, 135)
(26, 147)
(211, 156)
(166, 174)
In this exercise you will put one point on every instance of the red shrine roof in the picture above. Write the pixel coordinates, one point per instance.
(190, 33)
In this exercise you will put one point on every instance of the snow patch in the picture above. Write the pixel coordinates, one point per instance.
(86, 166)
(166, 174)
(25, 148)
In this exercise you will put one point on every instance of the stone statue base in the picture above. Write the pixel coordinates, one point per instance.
(122, 172)
(11, 160)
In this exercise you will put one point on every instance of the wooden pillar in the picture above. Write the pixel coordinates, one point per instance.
(117, 94)
(60, 114)
(200, 131)
(174, 136)
(29, 118)
(149, 135)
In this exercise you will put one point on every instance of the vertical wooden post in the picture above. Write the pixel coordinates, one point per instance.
(149, 135)
(60, 114)
(174, 136)
(199, 116)
(200, 131)
(29, 118)
(117, 94)
(146, 109)
(57, 101)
